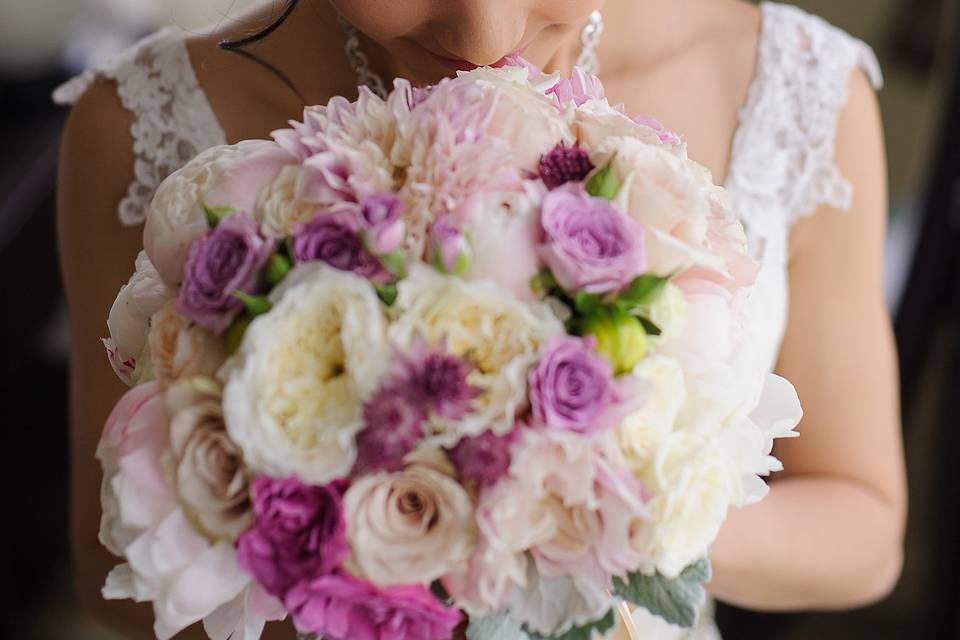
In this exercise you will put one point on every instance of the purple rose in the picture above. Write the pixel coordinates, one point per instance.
(298, 533)
(589, 244)
(382, 220)
(343, 607)
(483, 459)
(334, 237)
(572, 387)
(393, 422)
(225, 260)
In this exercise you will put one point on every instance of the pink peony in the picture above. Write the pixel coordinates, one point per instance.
(343, 607)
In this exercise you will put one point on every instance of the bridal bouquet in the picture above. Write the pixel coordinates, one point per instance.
(473, 348)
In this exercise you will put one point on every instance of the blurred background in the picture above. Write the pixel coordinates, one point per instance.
(43, 42)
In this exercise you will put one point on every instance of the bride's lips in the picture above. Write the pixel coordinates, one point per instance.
(458, 64)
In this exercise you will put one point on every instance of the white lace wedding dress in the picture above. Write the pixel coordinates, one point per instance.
(781, 166)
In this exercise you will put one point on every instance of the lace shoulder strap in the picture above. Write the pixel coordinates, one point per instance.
(783, 153)
(173, 121)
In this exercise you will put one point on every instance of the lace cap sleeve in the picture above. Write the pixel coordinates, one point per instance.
(790, 118)
(172, 119)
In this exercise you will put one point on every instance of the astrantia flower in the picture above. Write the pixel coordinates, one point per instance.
(299, 533)
(564, 164)
(482, 459)
(226, 260)
(499, 335)
(295, 392)
(393, 425)
(342, 607)
(436, 380)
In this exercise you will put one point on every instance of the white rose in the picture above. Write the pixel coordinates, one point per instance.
(691, 484)
(278, 208)
(295, 392)
(481, 321)
(129, 320)
(227, 175)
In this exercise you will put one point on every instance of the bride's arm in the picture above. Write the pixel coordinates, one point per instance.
(830, 533)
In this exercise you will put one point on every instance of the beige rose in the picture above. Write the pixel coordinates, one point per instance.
(408, 527)
(278, 208)
(181, 349)
(211, 480)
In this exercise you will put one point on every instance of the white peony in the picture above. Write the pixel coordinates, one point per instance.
(294, 394)
(278, 209)
(481, 321)
(129, 320)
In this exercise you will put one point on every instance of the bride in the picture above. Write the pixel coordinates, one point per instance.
(778, 104)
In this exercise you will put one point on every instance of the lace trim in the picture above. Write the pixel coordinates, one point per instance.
(173, 121)
(783, 151)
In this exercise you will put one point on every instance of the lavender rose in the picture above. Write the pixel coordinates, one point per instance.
(225, 260)
(299, 533)
(343, 607)
(334, 238)
(572, 387)
(589, 244)
(382, 218)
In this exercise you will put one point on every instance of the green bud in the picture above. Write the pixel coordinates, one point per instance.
(387, 292)
(236, 332)
(278, 268)
(603, 182)
(395, 262)
(256, 305)
(217, 213)
(620, 336)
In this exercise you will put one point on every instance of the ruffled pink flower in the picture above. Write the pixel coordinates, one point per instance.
(187, 577)
(343, 607)
(578, 88)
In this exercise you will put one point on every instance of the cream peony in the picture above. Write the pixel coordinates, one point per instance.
(278, 209)
(180, 349)
(129, 320)
(226, 175)
(408, 527)
(294, 394)
(641, 432)
(691, 483)
(595, 121)
(499, 334)
(210, 477)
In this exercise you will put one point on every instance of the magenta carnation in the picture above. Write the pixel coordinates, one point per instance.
(572, 387)
(343, 607)
(334, 238)
(298, 533)
(226, 260)
(564, 164)
(393, 420)
(589, 244)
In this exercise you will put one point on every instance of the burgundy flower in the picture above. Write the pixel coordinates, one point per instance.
(564, 164)
(393, 420)
(483, 459)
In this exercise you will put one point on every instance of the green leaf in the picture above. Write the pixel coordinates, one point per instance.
(649, 326)
(585, 632)
(218, 213)
(675, 601)
(644, 290)
(586, 303)
(256, 305)
(543, 283)
(387, 292)
(604, 183)
(278, 268)
(395, 263)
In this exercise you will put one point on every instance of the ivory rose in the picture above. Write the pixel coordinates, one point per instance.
(211, 480)
(408, 527)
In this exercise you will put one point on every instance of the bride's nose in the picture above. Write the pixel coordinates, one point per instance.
(480, 31)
